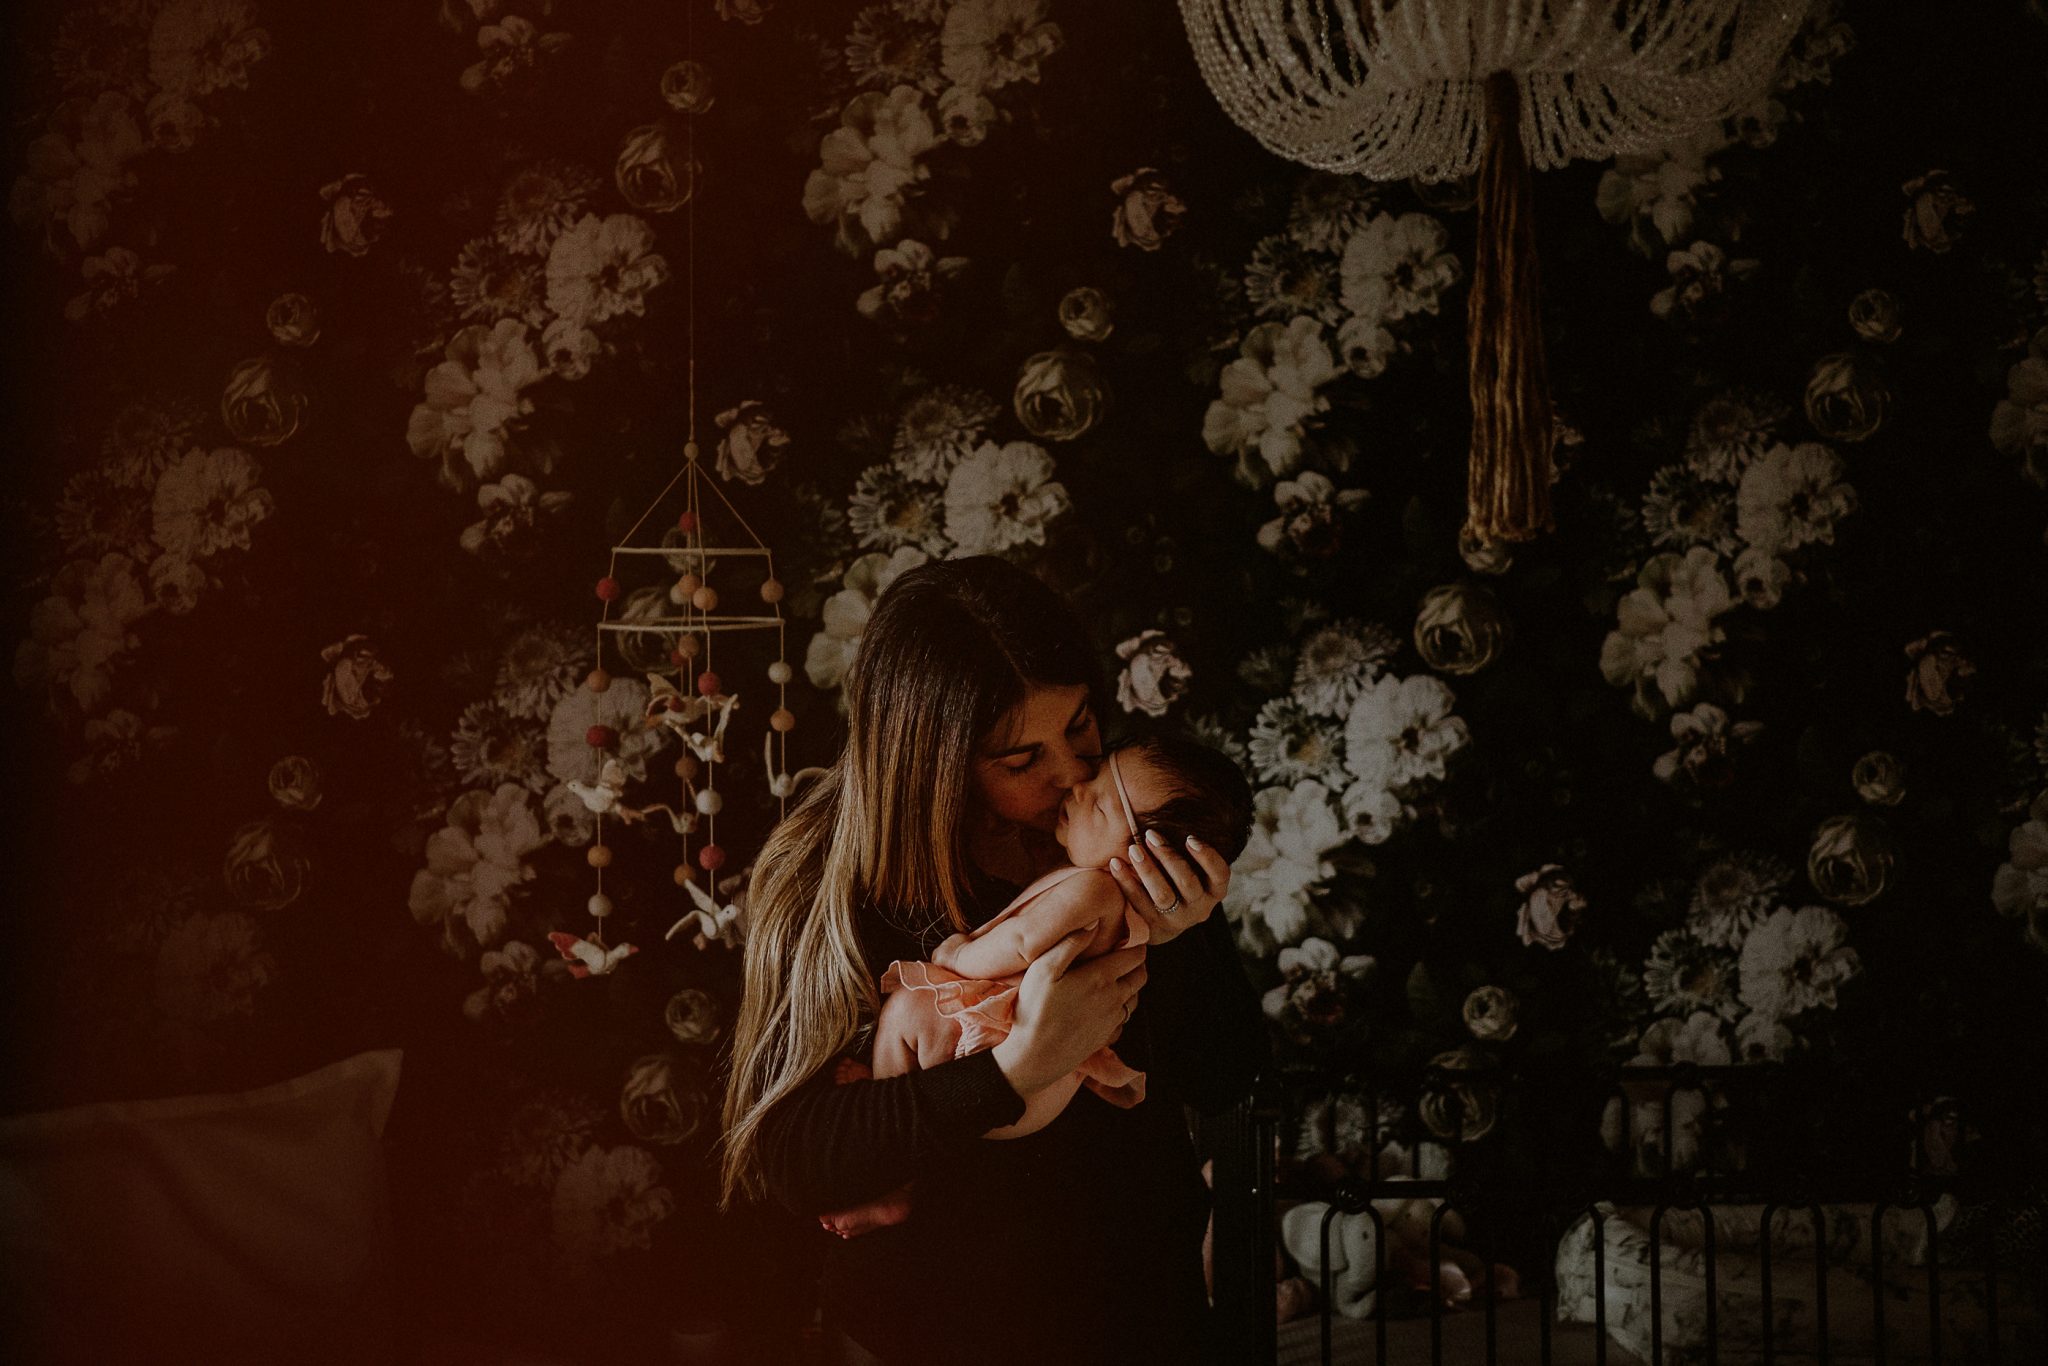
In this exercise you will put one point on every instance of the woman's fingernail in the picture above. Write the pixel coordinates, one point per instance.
(1116, 865)
(1194, 843)
(1152, 838)
(1137, 853)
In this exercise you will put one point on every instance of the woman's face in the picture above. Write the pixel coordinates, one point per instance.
(1045, 745)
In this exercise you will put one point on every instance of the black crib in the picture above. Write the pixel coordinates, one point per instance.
(1780, 1142)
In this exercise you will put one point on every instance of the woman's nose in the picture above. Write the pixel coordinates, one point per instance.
(1073, 768)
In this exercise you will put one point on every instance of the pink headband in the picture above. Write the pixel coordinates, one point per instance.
(1123, 795)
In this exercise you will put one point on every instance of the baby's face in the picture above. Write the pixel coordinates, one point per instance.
(1091, 821)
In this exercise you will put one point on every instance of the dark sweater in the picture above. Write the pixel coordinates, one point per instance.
(1077, 1244)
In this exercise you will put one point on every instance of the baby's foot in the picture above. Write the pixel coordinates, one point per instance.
(892, 1208)
(850, 1069)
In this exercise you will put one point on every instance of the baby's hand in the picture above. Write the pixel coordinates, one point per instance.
(944, 954)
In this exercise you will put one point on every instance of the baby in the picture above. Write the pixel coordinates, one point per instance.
(965, 998)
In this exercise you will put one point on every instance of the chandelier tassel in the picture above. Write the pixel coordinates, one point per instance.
(1509, 473)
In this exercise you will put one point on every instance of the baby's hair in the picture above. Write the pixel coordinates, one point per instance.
(1208, 795)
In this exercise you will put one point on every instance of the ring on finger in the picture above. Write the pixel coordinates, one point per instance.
(1169, 908)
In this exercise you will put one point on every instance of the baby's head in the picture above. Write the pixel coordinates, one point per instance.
(1175, 785)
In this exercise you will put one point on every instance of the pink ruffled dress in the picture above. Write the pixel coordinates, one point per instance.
(986, 1010)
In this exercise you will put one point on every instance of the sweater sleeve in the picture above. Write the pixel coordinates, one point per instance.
(1206, 1026)
(826, 1146)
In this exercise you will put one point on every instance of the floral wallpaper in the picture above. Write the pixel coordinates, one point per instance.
(352, 339)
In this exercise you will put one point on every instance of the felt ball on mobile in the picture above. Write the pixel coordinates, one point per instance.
(597, 680)
(780, 672)
(688, 520)
(782, 719)
(686, 767)
(771, 590)
(600, 737)
(608, 589)
(686, 585)
(705, 599)
(598, 856)
(709, 802)
(600, 905)
(685, 875)
(711, 858)
(688, 646)
(678, 594)
(707, 683)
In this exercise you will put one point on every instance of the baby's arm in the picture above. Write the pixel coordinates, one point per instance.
(1078, 903)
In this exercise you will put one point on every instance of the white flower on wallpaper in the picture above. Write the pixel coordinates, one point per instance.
(1705, 742)
(1286, 860)
(72, 174)
(1656, 194)
(1795, 961)
(938, 428)
(211, 966)
(831, 651)
(1154, 675)
(540, 202)
(872, 172)
(1337, 661)
(912, 281)
(1268, 394)
(889, 45)
(1290, 744)
(1761, 1038)
(621, 709)
(1311, 521)
(208, 502)
(1733, 894)
(988, 44)
(514, 509)
(1792, 496)
(1328, 208)
(1285, 279)
(1700, 275)
(2019, 888)
(514, 49)
(512, 978)
(476, 863)
(1398, 265)
(1001, 497)
(1683, 975)
(1668, 627)
(112, 743)
(751, 443)
(606, 1201)
(538, 667)
(1685, 508)
(78, 633)
(888, 509)
(111, 279)
(602, 268)
(1730, 430)
(1401, 732)
(476, 402)
(491, 747)
(491, 281)
(2019, 424)
(199, 46)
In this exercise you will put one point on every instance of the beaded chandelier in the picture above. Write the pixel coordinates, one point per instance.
(1441, 88)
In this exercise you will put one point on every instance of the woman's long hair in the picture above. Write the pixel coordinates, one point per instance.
(951, 648)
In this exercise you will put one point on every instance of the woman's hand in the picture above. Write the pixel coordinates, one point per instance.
(1167, 888)
(1065, 1013)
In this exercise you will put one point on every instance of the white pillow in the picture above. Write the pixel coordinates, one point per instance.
(224, 1228)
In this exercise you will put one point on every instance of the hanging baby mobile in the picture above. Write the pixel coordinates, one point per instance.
(1439, 88)
(669, 629)
(668, 599)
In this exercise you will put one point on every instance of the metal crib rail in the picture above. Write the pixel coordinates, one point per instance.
(1243, 1143)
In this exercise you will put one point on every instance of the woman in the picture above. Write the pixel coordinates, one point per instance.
(972, 708)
